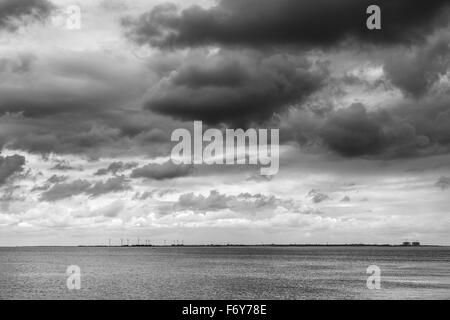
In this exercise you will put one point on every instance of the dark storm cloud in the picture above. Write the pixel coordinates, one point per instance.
(269, 22)
(422, 125)
(66, 190)
(69, 82)
(74, 103)
(78, 106)
(235, 87)
(88, 136)
(402, 129)
(356, 131)
(415, 71)
(91, 134)
(390, 132)
(167, 170)
(89, 103)
(353, 132)
(10, 165)
(15, 12)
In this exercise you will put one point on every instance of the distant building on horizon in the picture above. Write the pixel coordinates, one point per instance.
(411, 244)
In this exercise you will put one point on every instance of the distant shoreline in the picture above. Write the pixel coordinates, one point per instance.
(263, 245)
(230, 245)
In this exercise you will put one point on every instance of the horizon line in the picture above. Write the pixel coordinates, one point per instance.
(231, 245)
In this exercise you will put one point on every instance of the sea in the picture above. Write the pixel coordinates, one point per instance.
(183, 272)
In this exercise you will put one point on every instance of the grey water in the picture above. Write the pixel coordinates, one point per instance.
(225, 272)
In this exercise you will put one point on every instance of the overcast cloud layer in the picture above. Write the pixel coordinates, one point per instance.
(86, 118)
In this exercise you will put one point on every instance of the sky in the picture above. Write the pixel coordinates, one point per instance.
(86, 117)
